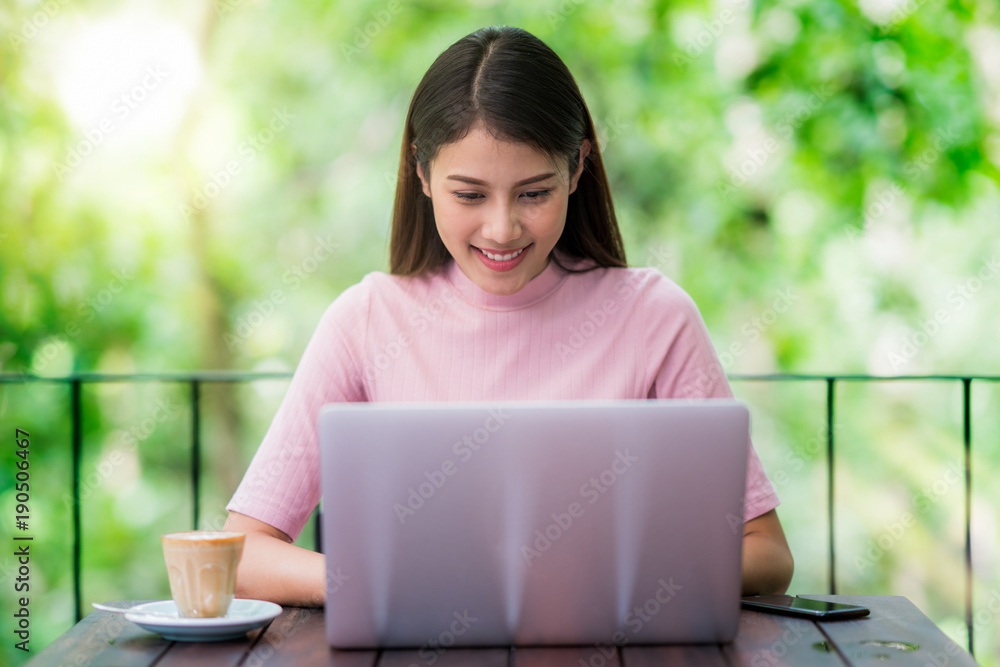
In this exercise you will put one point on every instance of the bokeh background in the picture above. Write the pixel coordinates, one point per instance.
(187, 185)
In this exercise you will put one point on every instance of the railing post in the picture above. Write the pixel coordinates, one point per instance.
(967, 441)
(195, 450)
(829, 482)
(77, 453)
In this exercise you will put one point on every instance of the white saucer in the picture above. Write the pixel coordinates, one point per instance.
(243, 616)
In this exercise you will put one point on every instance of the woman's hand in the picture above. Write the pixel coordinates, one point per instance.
(274, 569)
(767, 560)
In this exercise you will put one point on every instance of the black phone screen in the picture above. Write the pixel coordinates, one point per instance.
(803, 606)
(818, 605)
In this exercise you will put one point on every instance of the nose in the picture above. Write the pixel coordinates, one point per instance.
(501, 224)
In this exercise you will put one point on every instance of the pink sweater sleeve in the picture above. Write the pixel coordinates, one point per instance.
(281, 486)
(691, 369)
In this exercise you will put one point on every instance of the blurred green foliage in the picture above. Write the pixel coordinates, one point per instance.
(188, 185)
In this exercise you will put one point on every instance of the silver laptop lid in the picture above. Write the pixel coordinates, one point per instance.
(533, 522)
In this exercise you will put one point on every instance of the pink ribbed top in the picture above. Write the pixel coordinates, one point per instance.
(604, 334)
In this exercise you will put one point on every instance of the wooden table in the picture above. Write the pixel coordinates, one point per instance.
(896, 633)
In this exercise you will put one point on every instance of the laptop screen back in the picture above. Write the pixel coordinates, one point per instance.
(540, 523)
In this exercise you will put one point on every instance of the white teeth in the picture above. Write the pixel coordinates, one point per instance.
(504, 258)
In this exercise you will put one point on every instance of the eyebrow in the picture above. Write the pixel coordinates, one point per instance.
(476, 181)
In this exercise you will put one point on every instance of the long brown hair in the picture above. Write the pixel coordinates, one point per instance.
(518, 88)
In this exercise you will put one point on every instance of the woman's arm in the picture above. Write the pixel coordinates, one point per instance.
(767, 560)
(274, 569)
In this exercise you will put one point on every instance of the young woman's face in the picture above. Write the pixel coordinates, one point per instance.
(499, 207)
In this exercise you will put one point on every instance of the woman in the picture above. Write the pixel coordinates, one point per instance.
(508, 281)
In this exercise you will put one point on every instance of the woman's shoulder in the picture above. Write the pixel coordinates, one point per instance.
(647, 283)
(385, 288)
(387, 285)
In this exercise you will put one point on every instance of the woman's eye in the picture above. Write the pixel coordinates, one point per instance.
(533, 195)
(536, 194)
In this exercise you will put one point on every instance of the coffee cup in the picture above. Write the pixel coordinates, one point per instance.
(201, 567)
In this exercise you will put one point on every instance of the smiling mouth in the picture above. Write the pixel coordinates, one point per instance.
(502, 257)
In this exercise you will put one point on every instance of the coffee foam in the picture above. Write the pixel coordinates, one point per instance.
(204, 535)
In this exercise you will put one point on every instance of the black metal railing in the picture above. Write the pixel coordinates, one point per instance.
(195, 381)
(76, 382)
(831, 381)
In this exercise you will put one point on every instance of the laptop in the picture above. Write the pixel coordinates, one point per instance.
(532, 523)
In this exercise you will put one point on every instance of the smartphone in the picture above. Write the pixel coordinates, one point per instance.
(803, 607)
